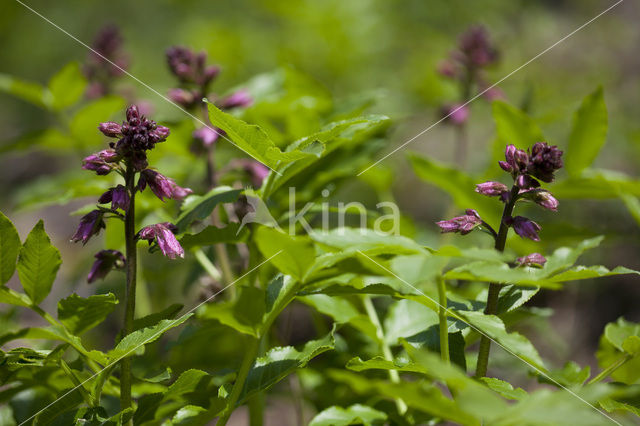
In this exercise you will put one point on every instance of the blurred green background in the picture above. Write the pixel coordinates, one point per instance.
(390, 48)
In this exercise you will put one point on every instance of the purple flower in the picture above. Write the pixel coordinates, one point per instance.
(163, 234)
(101, 162)
(190, 67)
(541, 197)
(476, 48)
(139, 134)
(449, 68)
(463, 224)
(183, 97)
(456, 114)
(90, 225)
(524, 227)
(106, 260)
(535, 260)
(118, 197)
(544, 161)
(207, 135)
(516, 162)
(162, 186)
(111, 129)
(241, 98)
(492, 189)
(98, 70)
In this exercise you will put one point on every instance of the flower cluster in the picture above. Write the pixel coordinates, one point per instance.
(100, 73)
(466, 66)
(195, 76)
(128, 157)
(527, 169)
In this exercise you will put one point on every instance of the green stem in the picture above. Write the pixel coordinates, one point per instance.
(442, 314)
(386, 350)
(494, 288)
(206, 264)
(77, 384)
(610, 369)
(251, 351)
(130, 297)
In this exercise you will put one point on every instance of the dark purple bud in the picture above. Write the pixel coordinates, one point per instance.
(101, 162)
(111, 129)
(535, 260)
(505, 166)
(541, 197)
(477, 49)
(492, 189)
(90, 225)
(526, 182)
(207, 135)
(524, 227)
(544, 161)
(463, 224)
(133, 115)
(160, 134)
(516, 160)
(106, 260)
(209, 74)
(163, 234)
(241, 98)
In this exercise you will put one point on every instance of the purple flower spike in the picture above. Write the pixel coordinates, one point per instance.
(545, 160)
(90, 225)
(207, 135)
(111, 129)
(524, 227)
(163, 234)
(106, 260)
(492, 189)
(118, 197)
(535, 260)
(241, 98)
(463, 224)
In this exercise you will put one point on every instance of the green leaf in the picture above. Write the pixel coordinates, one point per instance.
(67, 86)
(504, 389)
(79, 314)
(12, 297)
(252, 139)
(232, 233)
(515, 127)
(28, 91)
(515, 343)
(588, 134)
(132, 343)
(245, 314)
(368, 241)
(189, 381)
(354, 414)
(570, 375)
(279, 362)
(200, 207)
(379, 363)
(407, 318)
(292, 255)
(38, 264)
(458, 185)
(586, 272)
(9, 248)
(83, 124)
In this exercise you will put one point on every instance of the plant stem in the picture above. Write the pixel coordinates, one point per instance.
(78, 384)
(238, 385)
(386, 351)
(494, 288)
(130, 296)
(442, 313)
(610, 369)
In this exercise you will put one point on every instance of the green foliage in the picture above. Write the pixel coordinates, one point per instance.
(78, 314)
(9, 248)
(354, 414)
(67, 86)
(38, 264)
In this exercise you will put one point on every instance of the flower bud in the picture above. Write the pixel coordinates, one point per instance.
(111, 129)
(535, 260)
(90, 224)
(545, 160)
(491, 189)
(241, 98)
(524, 227)
(106, 260)
(463, 224)
(163, 234)
(207, 135)
(118, 197)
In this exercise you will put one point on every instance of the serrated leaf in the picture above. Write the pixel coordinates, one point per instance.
(67, 86)
(504, 389)
(379, 363)
(252, 139)
(9, 248)
(244, 314)
(131, 343)
(281, 361)
(588, 134)
(354, 414)
(79, 314)
(291, 255)
(12, 297)
(586, 272)
(38, 264)
(200, 207)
